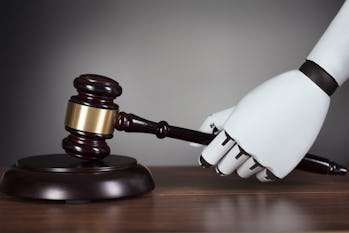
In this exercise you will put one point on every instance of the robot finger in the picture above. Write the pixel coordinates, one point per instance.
(216, 149)
(214, 123)
(248, 168)
(231, 161)
(266, 176)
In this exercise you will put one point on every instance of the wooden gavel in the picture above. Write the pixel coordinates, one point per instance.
(92, 116)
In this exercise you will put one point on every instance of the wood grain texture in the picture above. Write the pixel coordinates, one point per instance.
(192, 199)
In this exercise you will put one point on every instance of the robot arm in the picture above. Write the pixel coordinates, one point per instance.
(271, 129)
(332, 50)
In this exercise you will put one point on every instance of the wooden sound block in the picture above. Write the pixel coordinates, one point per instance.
(66, 178)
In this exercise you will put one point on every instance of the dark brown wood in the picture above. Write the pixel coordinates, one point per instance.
(95, 91)
(66, 178)
(85, 145)
(316, 164)
(192, 199)
(133, 123)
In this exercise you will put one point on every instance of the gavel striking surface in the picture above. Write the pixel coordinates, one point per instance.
(65, 178)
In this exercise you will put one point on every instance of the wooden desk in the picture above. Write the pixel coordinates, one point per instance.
(192, 199)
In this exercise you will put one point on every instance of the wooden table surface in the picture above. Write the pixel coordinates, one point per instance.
(192, 199)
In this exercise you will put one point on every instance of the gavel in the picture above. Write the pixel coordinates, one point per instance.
(92, 117)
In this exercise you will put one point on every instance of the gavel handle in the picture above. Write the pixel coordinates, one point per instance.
(133, 123)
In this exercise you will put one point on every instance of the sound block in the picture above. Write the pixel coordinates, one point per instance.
(65, 178)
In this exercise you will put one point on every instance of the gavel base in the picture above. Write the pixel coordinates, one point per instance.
(61, 177)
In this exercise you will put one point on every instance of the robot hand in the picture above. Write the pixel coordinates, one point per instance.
(270, 130)
(273, 127)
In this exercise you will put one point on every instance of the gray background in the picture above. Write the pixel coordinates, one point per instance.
(176, 60)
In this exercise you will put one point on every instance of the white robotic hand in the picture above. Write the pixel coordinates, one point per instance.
(271, 128)
(214, 123)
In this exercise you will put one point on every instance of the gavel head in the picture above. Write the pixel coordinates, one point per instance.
(91, 116)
